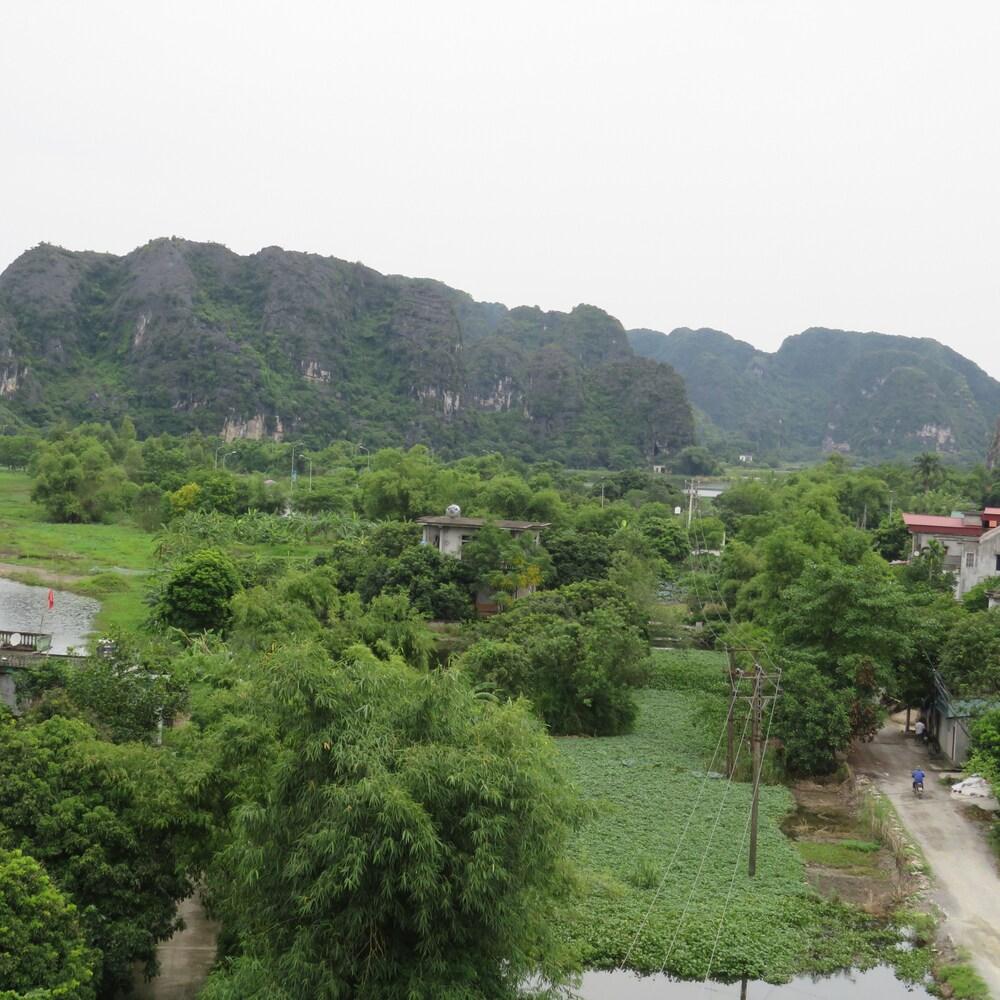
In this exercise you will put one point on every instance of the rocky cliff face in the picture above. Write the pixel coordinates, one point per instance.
(184, 335)
(863, 393)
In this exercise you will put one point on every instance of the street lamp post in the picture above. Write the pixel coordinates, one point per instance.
(310, 461)
(368, 454)
(293, 467)
(224, 457)
(217, 450)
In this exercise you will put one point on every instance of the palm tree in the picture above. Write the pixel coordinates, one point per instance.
(928, 469)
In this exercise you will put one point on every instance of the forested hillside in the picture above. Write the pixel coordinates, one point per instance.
(864, 393)
(182, 336)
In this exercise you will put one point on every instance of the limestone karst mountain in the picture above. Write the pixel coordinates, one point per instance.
(183, 335)
(864, 393)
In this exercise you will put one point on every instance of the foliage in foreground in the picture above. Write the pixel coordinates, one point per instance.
(109, 823)
(405, 839)
(43, 955)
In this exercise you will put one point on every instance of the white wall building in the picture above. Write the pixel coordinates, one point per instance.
(971, 542)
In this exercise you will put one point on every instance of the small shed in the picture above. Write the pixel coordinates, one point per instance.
(951, 721)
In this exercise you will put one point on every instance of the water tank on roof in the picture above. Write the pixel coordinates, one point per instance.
(453, 510)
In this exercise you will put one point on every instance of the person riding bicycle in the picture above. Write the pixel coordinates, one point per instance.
(918, 779)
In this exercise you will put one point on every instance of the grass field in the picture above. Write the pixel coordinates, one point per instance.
(110, 562)
(652, 804)
(86, 558)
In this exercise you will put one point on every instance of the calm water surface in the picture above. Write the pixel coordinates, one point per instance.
(876, 984)
(27, 609)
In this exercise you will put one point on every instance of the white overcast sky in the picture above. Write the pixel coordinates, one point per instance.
(759, 166)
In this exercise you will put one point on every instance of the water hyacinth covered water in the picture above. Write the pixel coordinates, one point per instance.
(26, 609)
(876, 984)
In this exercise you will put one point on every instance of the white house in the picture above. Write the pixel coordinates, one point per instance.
(448, 534)
(971, 542)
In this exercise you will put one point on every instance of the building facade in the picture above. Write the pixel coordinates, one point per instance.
(449, 534)
(971, 542)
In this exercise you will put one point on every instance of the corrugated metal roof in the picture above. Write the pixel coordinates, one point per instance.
(935, 525)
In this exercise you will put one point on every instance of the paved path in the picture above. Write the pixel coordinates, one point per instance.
(967, 886)
(185, 959)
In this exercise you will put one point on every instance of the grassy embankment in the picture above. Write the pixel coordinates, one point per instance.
(89, 559)
(643, 787)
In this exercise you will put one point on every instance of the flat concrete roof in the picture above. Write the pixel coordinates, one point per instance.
(444, 521)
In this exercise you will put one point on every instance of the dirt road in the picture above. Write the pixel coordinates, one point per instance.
(967, 887)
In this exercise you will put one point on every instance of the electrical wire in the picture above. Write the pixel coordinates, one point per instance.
(743, 839)
(680, 843)
(704, 857)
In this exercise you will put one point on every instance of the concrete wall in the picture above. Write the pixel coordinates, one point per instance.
(8, 695)
(953, 738)
(987, 551)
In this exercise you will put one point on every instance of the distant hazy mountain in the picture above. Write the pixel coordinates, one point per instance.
(869, 393)
(185, 335)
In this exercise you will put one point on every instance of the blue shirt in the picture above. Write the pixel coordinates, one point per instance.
(918, 775)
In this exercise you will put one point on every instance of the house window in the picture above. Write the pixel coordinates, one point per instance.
(998, 564)
(970, 559)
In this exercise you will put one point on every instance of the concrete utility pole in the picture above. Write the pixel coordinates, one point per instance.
(758, 759)
(692, 492)
(758, 698)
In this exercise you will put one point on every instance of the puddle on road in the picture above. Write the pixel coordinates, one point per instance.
(876, 984)
(26, 609)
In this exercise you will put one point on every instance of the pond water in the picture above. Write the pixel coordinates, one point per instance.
(26, 609)
(875, 984)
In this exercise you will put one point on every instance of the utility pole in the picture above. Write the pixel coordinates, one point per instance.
(892, 497)
(765, 689)
(692, 490)
(758, 759)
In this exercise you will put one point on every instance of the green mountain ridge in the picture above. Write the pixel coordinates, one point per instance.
(870, 394)
(279, 344)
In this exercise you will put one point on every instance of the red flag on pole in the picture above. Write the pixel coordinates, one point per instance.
(52, 599)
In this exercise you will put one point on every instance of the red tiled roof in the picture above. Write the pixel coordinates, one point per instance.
(992, 511)
(931, 524)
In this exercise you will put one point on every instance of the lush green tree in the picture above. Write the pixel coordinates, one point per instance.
(405, 841)
(389, 625)
(110, 823)
(696, 460)
(579, 657)
(812, 720)
(197, 594)
(985, 747)
(892, 539)
(857, 625)
(150, 507)
(76, 481)
(17, 450)
(928, 470)
(129, 691)
(577, 555)
(438, 586)
(503, 565)
(667, 537)
(43, 954)
(970, 658)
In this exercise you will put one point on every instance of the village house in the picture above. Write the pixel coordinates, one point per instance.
(449, 533)
(971, 542)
